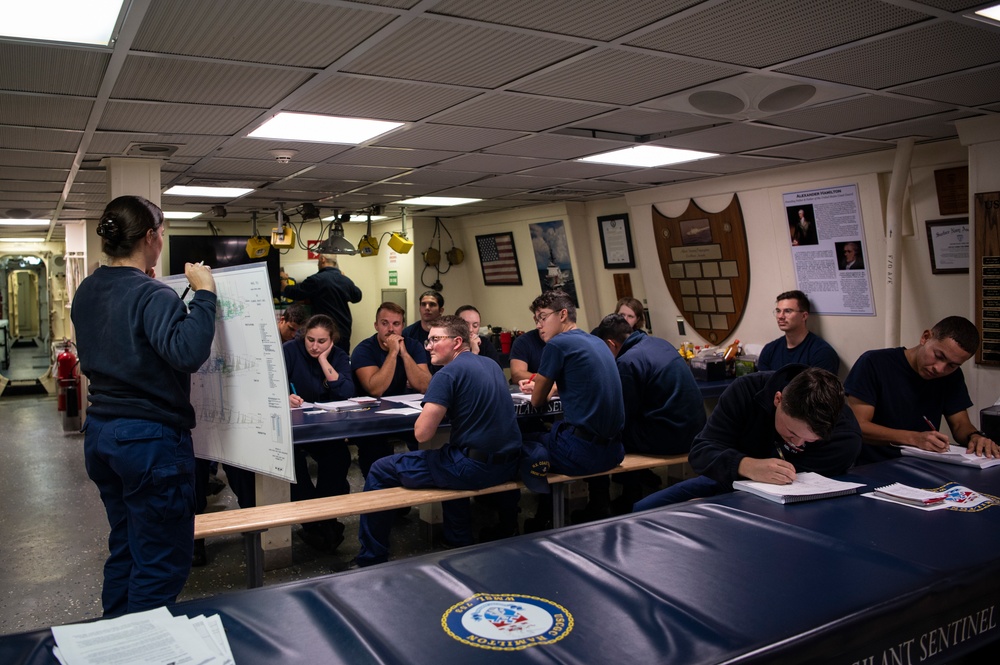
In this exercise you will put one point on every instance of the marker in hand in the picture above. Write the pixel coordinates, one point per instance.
(188, 289)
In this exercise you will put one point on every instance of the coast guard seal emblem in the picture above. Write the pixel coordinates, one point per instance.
(506, 622)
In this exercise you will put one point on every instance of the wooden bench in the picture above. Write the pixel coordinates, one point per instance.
(252, 521)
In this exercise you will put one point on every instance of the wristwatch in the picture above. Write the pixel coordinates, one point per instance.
(980, 433)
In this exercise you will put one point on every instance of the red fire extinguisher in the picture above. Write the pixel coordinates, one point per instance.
(68, 376)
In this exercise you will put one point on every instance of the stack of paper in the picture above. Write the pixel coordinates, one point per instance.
(955, 455)
(145, 638)
(806, 487)
(910, 495)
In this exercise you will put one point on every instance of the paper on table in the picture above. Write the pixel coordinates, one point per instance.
(408, 398)
(400, 411)
(957, 497)
(907, 494)
(955, 455)
(143, 638)
(806, 486)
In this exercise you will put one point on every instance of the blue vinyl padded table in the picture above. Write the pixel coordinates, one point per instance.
(731, 579)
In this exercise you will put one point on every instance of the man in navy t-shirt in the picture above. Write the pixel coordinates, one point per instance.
(589, 438)
(798, 346)
(387, 364)
(899, 395)
(485, 444)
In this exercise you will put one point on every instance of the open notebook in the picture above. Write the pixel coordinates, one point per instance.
(955, 455)
(807, 487)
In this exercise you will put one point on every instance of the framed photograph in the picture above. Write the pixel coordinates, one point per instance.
(616, 241)
(498, 258)
(948, 242)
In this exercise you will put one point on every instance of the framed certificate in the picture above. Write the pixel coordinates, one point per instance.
(616, 241)
(948, 241)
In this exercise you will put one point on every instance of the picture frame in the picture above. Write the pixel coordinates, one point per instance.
(616, 241)
(498, 259)
(948, 242)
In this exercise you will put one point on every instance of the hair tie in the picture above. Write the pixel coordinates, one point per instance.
(108, 229)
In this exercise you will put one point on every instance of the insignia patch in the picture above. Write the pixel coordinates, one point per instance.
(506, 622)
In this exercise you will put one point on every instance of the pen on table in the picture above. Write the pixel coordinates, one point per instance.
(929, 423)
(188, 288)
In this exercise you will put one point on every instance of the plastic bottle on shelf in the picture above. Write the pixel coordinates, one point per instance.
(732, 351)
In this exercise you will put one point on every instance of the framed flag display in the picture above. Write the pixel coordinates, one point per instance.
(498, 258)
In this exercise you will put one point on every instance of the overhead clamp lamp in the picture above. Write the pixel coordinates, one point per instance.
(257, 247)
(398, 241)
(368, 245)
(336, 243)
(284, 236)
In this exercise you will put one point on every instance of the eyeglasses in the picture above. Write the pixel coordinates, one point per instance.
(786, 312)
(431, 341)
(540, 318)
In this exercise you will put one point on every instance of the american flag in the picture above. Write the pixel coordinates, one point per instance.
(496, 253)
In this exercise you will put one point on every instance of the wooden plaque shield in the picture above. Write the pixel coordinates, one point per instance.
(706, 264)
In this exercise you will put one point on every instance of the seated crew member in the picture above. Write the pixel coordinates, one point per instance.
(431, 304)
(483, 451)
(387, 364)
(588, 439)
(798, 345)
(663, 404)
(319, 371)
(633, 311)
(525, 355)
(290, 320)
(767, 427)
(900, 394)
(478, 345)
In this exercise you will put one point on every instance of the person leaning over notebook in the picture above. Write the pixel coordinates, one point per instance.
(767, 427)
(899, 395)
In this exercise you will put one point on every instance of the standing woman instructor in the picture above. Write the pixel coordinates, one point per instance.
(139, 345)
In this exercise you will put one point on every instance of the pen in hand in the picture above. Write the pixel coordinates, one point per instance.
(929, 423)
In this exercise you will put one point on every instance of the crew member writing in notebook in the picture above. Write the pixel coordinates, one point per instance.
(767, 427)
(899, 395)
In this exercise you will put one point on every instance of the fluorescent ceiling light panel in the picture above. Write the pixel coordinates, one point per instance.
(91, 22)
(24, 222)
(322, 128)
(992, 13)
(213, 192)
(22, 239)
(647, 156)
(356, 218)
(172, 214)
(435, 201)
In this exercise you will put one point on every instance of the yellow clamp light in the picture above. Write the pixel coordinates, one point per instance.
(283, 238)
(257, 247)
(400, 243)
(368, 246)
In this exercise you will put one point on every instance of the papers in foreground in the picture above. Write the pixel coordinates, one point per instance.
(154, 637)
(955, 455)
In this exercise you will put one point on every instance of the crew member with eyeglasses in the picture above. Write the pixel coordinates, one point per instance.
(798, 345)
(589, 438)
(387, 364)
(484, 449)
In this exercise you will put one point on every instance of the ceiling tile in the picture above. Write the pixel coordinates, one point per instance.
(853, 114)
(382, 99)
(518, 112)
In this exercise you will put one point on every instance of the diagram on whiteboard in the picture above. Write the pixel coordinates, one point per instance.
(240, 394)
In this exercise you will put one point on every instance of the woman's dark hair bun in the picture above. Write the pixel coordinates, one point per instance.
(109, 229)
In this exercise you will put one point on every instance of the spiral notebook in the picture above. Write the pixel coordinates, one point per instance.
(807, 486)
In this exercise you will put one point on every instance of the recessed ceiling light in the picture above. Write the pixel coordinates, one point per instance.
(213, 192)
(176, 214)
(435, 201)
(647, 156)
(91, 22)
(992, 13)
(24, 222)
(356, 218)
(22, 239)
(322, 128)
